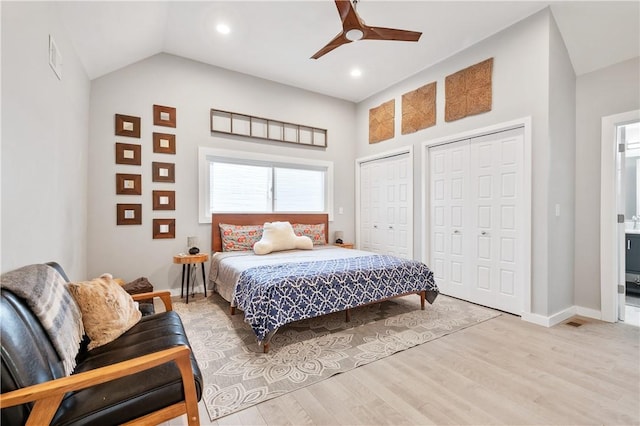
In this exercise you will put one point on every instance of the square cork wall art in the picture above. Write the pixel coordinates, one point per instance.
(381, 122)
(468, 91)
(419, 109)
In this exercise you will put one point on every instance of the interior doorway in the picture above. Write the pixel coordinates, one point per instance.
(620, 136)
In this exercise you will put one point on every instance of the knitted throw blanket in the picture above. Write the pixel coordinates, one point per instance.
(46, 293)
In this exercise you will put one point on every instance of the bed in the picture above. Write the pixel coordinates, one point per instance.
(286, 286)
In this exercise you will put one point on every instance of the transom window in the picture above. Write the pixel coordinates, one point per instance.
(240, 182)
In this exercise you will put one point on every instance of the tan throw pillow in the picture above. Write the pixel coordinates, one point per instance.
(107, 310)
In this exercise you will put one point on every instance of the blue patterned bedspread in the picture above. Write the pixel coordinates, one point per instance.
(274, 295)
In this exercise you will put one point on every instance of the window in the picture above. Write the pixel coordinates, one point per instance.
(242, 182)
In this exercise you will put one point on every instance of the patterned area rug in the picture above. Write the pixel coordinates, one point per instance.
(238, 375)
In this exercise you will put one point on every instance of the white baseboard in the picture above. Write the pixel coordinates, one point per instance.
(589, 313)
(565, 314)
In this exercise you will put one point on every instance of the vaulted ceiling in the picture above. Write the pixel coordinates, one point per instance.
(275, 39)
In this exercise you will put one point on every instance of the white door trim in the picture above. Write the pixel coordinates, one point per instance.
(380, 156)
(608, 214)
(524, 122)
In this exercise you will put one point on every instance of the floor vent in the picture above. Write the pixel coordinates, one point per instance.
(574, 323)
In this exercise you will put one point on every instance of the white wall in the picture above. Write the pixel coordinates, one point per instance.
(44, 143)
(609, 91)
(520, 88)
(562, 117)
(193, 88)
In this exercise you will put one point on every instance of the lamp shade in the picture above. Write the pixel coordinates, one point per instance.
(192, 242)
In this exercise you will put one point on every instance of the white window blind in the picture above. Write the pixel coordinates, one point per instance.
(250, 183)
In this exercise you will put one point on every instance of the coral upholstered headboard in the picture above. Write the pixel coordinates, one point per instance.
(260, 219)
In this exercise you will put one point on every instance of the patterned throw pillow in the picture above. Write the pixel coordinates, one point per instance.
(239, 237)
(315, 232)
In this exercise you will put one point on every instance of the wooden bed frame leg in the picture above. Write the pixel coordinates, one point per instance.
(347, 314)
(422, 297)
(232, 310)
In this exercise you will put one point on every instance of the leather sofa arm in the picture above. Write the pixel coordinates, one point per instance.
(164, 295)
(48, 395)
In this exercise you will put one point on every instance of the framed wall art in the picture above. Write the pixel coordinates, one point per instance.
(127, 153)
(127, 125)
(164, 143)
(164, 116)
(163, 172)
(164, 200)
(129, 214)
(164, 228)
(128, 184)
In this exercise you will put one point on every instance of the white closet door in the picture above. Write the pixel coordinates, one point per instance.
(495, 208)
(449, 180)
(397, 224)
(385, 216)
(477, 239)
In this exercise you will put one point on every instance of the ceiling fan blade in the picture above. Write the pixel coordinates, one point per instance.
(338, 41)
(378, 33)
(348, 15)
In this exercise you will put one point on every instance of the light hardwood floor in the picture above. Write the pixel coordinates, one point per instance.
(503, 371)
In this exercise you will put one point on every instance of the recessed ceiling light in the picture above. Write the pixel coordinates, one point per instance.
(355, 73)
(223, 28)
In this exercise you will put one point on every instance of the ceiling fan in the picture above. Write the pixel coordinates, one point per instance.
(354, 28)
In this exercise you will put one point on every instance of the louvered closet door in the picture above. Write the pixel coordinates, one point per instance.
(385, 217)
(477, 240)
(449, 181)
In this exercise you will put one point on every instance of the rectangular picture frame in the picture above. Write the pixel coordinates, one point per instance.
(128, 153)
(164, 228)
(164, 200)
(128, 184)
(129, 214)
(127, 125)
(163, 172)
(164, 143)
(164, 116)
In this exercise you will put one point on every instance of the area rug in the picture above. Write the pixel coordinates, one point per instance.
(237, 374)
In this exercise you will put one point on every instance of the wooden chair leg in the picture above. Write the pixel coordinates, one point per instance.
(347, 315)
(422, 297)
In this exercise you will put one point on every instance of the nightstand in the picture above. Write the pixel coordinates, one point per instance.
(188, 260)
(344, 245)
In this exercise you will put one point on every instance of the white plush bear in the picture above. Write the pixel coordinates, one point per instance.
(278, 236)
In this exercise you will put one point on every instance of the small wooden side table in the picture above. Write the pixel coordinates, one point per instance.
(344, 245)
(186, 260)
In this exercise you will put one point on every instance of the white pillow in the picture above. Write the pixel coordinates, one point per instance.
(278, 236)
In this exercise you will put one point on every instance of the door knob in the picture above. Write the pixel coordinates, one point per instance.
(456, 232)
(484, 233)
(390, 227)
